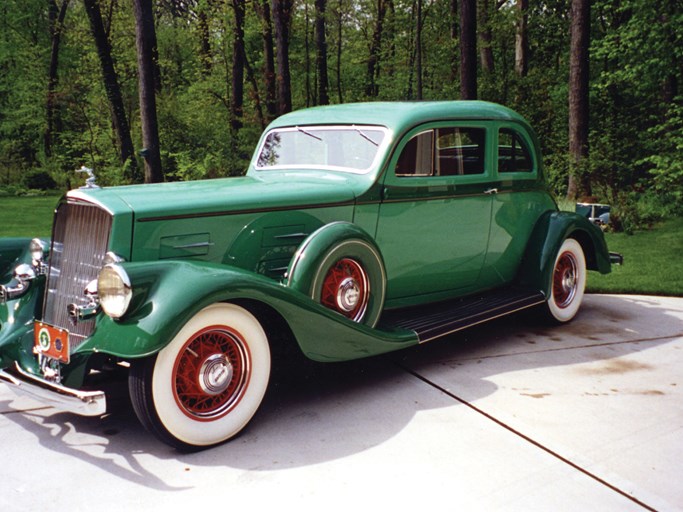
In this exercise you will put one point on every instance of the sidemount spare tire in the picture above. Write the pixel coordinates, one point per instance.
(340, 267)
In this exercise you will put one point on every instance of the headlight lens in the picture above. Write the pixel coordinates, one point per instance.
(114, 290)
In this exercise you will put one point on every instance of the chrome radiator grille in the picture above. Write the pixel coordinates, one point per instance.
(79, 242)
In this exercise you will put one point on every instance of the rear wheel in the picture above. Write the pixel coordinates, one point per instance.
(207, 383)
(568, 282)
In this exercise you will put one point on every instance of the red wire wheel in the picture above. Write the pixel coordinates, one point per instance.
(565, 279)
(211, 373)
(346, 289)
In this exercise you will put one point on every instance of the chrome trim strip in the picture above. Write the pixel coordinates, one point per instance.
(82, 195)
(83, 403)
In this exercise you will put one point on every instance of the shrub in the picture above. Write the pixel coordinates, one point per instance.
(39, 180)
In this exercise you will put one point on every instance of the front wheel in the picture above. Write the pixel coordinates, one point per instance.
(207, 383)
(568, 282)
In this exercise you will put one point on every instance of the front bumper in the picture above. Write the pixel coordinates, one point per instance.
(83, 403)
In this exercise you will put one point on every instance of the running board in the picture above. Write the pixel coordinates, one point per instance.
(436, 320)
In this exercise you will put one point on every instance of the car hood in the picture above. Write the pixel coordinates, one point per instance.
(227, 195)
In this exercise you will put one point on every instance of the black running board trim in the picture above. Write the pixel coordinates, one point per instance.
(444, 318)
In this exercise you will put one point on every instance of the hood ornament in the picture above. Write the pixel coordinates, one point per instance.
(90, 180)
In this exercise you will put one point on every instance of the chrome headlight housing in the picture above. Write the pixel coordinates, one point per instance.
(114, 290)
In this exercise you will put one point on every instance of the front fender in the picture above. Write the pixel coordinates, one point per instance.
(17, 315)
(545, 241)
(168, 293)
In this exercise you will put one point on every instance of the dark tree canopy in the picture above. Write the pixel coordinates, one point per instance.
(212, 73)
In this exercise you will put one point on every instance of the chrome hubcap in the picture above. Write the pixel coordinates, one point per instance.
(215, 374)
(348, 294)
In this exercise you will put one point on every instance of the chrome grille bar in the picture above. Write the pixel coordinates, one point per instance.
(79, 242)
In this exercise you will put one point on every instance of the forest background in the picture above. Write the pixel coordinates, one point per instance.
(151, 90)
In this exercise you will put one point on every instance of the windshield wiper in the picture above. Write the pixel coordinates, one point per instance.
(308, 133)
(360, 132)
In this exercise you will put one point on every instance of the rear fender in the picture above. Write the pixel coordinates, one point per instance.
(550, 231)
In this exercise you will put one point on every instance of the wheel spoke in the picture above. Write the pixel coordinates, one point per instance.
(200, 392)
(346, 289)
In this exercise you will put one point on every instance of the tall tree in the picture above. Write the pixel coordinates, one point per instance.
(112, 88)
(238, 58)
(521, 38)
(418, 48)
(578, 97)
(340, 25)
(454, 24)
(282, 15)
(56, 19)
(321, 52)
(371, 87)
(468, 50)
(145, 38)
(263, 9)
(485, 37)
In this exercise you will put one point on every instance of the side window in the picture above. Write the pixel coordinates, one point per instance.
(460, 151)
(444, 152)
(417, 157)
(513, 153)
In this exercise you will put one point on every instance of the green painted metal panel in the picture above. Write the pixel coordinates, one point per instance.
(168, 293)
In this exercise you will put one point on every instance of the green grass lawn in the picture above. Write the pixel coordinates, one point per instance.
(653, 259)
(27, 216)
(653, 262)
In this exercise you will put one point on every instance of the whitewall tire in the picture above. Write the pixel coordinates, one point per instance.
(568, 282)
(208, 382)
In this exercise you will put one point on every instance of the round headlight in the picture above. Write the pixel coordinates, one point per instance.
(114, 290)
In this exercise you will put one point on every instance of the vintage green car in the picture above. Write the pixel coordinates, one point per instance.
(358, 229)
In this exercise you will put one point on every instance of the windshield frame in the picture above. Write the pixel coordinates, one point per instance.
(310, 130)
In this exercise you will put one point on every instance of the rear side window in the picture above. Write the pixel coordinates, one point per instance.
(456, 151)
(513, 153)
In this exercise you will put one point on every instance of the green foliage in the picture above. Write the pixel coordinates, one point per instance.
(39, 180)
(635, 126)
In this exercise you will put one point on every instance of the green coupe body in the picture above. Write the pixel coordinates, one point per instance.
(357, 230)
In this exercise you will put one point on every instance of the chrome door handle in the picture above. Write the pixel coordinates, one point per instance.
(491, 191)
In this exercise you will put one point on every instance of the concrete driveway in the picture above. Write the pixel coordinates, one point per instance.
(511, 415)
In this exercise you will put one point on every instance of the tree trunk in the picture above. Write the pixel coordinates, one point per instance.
(468, 50)
(485, 37)
(339, 50)
(56, 15)
(238, 55)
(321, 52)
(371, 87)
(144, 38)
(521, 39)
(418, 50)
(282, 14)
(578, 97)
(307, 57)
(112, 89)
(453, 8)
(204, 42)
(263, 9)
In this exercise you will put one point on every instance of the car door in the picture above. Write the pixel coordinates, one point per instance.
(435, 214)
(520, 200)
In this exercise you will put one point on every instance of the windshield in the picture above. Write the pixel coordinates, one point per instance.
(345, 148)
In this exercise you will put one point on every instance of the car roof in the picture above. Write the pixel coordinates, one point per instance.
(398, 116)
